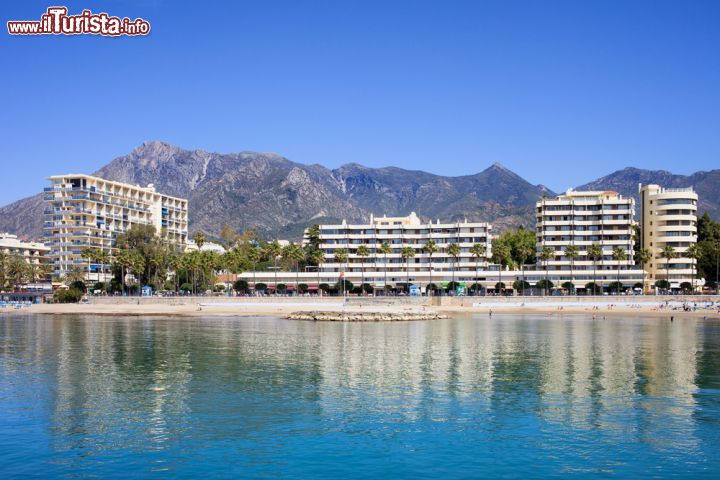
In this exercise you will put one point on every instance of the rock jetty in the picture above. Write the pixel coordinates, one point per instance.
(364, 316)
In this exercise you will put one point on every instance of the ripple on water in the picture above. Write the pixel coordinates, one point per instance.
(261, 397)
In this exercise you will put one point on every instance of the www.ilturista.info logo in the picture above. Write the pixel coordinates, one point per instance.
(56, 21)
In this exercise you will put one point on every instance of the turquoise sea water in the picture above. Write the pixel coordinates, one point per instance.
(512, 396)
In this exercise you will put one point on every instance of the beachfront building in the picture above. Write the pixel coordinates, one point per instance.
(570, 223)
(669, 219)
(407, 258)
(85, 211)
(34, 253)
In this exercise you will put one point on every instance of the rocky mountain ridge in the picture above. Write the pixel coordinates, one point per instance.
(279, 197)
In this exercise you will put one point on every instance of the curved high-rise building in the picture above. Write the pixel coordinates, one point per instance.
(669, 218)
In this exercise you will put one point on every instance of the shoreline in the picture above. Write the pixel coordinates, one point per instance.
(284, 308)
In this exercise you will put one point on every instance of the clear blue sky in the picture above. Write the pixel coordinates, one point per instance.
(560, 92)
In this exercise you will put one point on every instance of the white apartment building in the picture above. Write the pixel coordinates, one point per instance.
(669, 218)
(33, 253)
(400, 232)
(86, 211)
(581, 219)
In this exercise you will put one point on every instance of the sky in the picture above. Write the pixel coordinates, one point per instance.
(561, 92)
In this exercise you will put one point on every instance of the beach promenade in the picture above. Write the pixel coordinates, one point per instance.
(647, 306)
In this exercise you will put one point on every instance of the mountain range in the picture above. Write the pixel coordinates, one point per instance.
(279, 197)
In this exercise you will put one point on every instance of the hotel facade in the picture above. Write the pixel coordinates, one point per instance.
(669, 218)
(34, 253)
(422, 267)
(580, 219)
(84, 211)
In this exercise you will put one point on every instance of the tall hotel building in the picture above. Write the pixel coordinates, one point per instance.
(84, 211)
(581, 219)
(669, 218)
(400, 232)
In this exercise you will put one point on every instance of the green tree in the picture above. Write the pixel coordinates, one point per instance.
(429, 248)
(619, 255)
(667, 253)
(317, 257)
(241, 286)
(313, 235)
(362, 253)
(199, 239)
(73, 274)
(454, 251)
(16, 271)
(523, 252)
(546, 254)
(3, 270)
(694, 253)
(294, 253)
(478, 251)
(228, 236)
(341, 256)
(273, 251)
(501, 256)
(545, 284)
(90, 254)
(642, 257)
(594, 254)
(385, 250)
(406, 253)
(572, 252)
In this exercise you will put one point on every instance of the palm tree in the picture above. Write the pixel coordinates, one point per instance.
(294, 253)
(191, 263)
(430, 248)
(454, 251)
(385, 250)
(523, 252)
(91, 254)
(137, 264)
(317, 257)
(3, 266)
(572, 252)
(501, 254)
(123, 260)
(254, 255)
(478, 251)
(406, 253)
(199, 239)
(16, 270)
(546, 254)
(175, 264)
(595, 253)
(643, 256)
(618, 255)
(273, 250)
(341, 256)
(362, 252)
(668, 253)
(694, 253)
(38, 271)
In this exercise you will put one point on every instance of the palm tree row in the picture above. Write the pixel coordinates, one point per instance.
(15, 271)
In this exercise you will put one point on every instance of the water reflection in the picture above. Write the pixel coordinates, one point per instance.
(258, 395)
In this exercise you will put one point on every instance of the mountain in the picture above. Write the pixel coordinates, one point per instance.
(280, 197)
(626, 182)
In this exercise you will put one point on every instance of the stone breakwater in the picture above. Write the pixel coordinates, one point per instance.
(364, 316)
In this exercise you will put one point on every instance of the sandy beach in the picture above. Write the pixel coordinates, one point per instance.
(282, 307)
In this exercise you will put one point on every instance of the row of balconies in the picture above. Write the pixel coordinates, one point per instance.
(139, 197)
(88, 198)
